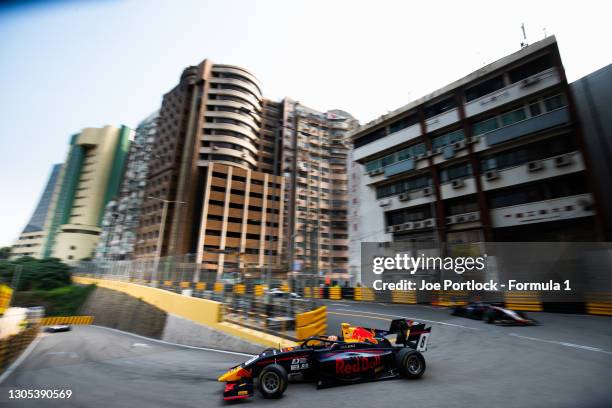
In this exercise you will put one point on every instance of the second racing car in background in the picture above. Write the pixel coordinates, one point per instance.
(491, 313)
(359, 354)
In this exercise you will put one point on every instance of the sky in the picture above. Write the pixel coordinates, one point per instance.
(67, 65)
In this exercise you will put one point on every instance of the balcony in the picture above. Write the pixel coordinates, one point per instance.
(518, 90)
(442, 120)
(462, 219)
(387, 142)
(543, 211)
(427, 223)
(407, 199)
(533, 171)
(535, 124)
(417, 163)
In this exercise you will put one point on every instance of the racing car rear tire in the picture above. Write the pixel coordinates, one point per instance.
(411, 363)
(273, 381)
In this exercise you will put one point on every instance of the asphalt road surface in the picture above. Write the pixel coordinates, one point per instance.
(565, 362)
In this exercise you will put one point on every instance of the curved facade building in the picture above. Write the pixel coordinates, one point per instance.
(222, 207)
(232, 118)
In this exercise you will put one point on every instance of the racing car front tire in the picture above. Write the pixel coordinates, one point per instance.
(273, 381)
(411, 363)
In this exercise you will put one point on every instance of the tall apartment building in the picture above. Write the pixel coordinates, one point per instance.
(90, 177)
(315, 159)
(32, 240)
(243, 182)
(210, 189)
(495, 156)
(122, 213)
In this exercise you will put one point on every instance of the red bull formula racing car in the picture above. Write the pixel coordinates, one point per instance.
(359, 354)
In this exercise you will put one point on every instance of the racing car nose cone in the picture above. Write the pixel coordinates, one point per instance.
(234, 374)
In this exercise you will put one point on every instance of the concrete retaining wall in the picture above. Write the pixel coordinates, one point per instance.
(183, 331)
(118, 310)
(201, 320)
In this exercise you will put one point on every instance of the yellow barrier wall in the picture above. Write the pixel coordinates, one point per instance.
(5, 298)
(74, 320)
(407, 297)
(260, 290)
(313, 323)
(364, 294)
(529, 301)
(335, 293)
(202, 311)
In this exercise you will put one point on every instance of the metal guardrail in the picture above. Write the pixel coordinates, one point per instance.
(12, 346)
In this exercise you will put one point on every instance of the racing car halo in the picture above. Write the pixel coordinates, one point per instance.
(359, 354)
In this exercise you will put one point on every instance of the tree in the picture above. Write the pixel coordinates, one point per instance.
(5, 252)
(36, 274)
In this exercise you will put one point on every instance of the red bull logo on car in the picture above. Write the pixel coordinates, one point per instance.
(357, 334)
(357, 365)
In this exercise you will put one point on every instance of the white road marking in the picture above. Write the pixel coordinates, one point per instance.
(22, 357)
(562, 343)
(140, 345)
(70, 354)
(174, 344)
(411, 318)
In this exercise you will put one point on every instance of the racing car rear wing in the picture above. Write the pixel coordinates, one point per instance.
(410, 333)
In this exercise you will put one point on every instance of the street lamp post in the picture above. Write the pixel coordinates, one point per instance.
(274, 217)
(160, 238)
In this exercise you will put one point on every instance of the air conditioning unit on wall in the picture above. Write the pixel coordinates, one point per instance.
(492, 174)
(564, 160)
(459, 145)
(404, 197)
(459, 183)
(535, 165)
(407, 226)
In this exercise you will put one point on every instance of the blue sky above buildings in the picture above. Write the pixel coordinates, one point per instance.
(66, 65)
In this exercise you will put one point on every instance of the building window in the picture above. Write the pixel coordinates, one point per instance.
(403, 154)
(403, 123)
(459, 171)
(484, 88)
(440, 107)
(484, 126)
(409, 215)
(447, 139)
(510, 118)
(402, 186)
